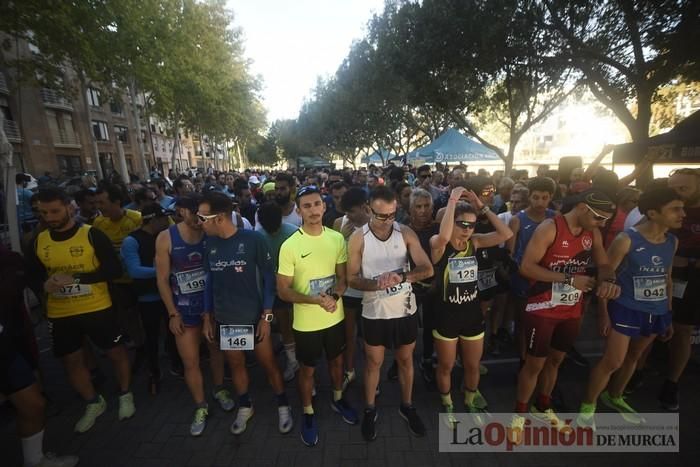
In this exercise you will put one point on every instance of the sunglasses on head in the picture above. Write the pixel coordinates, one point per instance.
(487, 191)
(307, 190)
(203, 218)
(596, 216)
(383, 217)
(465, 224)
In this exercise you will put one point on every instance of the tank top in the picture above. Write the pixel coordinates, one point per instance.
(349, 292)
(187, 275)
(456, 276)
(642, 274)
(72, 256)
(380, 256)
(527, 228)
(569, 254)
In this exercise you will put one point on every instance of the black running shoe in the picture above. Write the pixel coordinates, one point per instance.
(415, 425)
(669, 397)
(369, 425)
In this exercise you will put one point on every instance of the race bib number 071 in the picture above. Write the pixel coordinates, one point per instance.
(235, 337)
(73, 290)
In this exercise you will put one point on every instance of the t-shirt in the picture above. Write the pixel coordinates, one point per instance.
(118, 231)
(292, 218)
(275, 241)
(240, 278)
(310, 260)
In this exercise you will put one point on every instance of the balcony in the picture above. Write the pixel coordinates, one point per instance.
(12, 131)
(55, 100)
(64, 140)
(3, 85)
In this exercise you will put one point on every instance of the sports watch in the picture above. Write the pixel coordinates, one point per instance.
(268, 317)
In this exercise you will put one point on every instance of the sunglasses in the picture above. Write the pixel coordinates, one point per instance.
(465, 224)
(203, 218)
(424, 176)
(596, 216)
(383, 217)
(488, 191)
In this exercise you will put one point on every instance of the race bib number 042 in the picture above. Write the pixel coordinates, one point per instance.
(235, 337)
(649, 288)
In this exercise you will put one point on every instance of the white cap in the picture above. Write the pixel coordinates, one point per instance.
(254, 179)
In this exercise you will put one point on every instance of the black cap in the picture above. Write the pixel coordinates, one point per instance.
(153, 210)
(189, 201)
(597, 199)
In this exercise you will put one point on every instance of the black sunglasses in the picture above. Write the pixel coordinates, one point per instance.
(383, 217)
(465, 224)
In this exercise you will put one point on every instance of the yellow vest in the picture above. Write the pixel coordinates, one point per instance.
(72, 256)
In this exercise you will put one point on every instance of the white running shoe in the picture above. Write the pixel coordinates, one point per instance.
(286, 422)
(241, 422)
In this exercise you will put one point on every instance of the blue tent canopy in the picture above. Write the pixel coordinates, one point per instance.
(376, 157)
(452, 146)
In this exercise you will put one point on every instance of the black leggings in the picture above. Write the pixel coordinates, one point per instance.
(152, 316)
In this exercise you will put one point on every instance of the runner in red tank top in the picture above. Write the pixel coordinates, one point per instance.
(556, 259)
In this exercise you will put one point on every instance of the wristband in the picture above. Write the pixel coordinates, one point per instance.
(173, 316)
(484, 210)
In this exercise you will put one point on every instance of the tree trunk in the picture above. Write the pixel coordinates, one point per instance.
(88, 115)
(137, 119)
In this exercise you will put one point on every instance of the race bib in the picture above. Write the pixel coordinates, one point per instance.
(191, 281)
(234, 337)
(487, 279)
(395, 290)
(565, 294)
(323, 285)
(649, 288)
(462, 270)
(73, 290)
(679, 288)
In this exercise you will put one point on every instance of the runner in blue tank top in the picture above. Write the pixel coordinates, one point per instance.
(181, 283)
(643, 257)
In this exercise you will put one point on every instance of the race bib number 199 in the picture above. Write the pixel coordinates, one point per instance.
(191, 281)
(234, 337)
(564, 294)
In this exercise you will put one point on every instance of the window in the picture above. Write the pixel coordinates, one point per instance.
(153, 128)
(100, 130)
(143, 136)
(93, 97)
(116, 108)
(122, 133)
(70, 165)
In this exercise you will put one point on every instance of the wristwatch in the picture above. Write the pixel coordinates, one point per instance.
(569, 279)
(484, 210)
(268, 317)
(404, 276)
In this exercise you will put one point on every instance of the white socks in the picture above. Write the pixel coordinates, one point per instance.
(33, 449)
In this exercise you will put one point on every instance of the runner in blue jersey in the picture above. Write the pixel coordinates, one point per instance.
(523, 225)
(240, 292)
(643, 257)
(181, 278)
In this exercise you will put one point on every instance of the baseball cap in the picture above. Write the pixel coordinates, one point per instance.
(268, 187)
(597, 199)
(153, 210)
(254, 180)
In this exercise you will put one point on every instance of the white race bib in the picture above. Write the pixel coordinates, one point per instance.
(73, 290)
(191, 281)
(487, 279)
(679, 288)
(322, 285)
(462, 270)
(395, 290)
(565, 294)
(649, 288)
(235, 337)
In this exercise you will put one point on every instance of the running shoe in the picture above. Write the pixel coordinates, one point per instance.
(449, 419)
(348, 414)
(427, 370)
(223, 397)
(126, 406)
(669, 397)
(51, 460)
(285, 423)
(515, 431)
(241, 422)
(309, 430)
(415, 425)
(479, 402)
(369, 424)
(92, 411)
(199, 423)
(620, 405)
(477, 414)
(547, 416)
(586, 416)
(635, 382)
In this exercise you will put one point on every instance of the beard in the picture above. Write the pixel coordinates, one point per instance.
(282, 200)
(57, 225)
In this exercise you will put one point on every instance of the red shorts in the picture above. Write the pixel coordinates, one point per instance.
(542, 334)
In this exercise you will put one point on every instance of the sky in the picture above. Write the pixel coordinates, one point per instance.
(292, 42)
